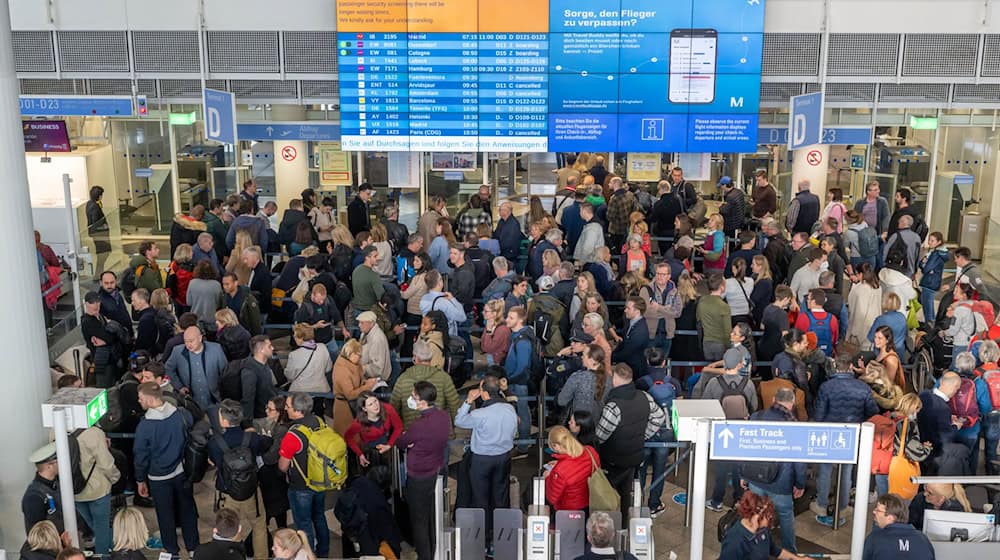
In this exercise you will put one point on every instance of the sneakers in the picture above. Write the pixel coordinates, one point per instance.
(819, 510)
(712, 506)
(827, 520)
(654, 512)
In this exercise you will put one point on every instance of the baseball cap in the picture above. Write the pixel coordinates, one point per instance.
(91, 297)
(367, 316)
(545, 283)
(732, 359)
(582, 338)
(725, 180)
(44, 454)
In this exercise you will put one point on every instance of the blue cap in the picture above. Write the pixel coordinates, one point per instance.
(725, 180)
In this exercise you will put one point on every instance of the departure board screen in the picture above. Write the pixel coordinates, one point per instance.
(556, 75)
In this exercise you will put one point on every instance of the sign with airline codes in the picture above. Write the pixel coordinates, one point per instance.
(790, 442)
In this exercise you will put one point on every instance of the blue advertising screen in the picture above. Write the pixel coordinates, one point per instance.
(562, 75)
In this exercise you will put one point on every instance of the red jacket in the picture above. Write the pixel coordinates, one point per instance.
(178, 278)
(566, 486)
(391, 427)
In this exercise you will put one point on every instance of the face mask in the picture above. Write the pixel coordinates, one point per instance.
(411, 403)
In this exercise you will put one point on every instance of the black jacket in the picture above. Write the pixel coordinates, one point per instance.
(563, 291)
(463, 284)
(778, 254)
(482, 265)
(662, 216)
(397, 234)
(146, 333)
(289, 223)
(358, 218)
(625, 446)
(41, 502)
(113, 307)
(235, 342)
(28, 554)
(260, 287)
(808, 212)
(257, 383)
(221, 550)
(632, 348)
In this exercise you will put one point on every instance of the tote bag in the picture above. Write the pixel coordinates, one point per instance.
(901, 470)
(603, 496)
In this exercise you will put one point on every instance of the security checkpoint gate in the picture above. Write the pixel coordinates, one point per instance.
(640, 525)
(538, 546)
(470, 534)
(508, 533)
(571, 534)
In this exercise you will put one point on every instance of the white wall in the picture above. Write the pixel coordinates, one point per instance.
(884, 16)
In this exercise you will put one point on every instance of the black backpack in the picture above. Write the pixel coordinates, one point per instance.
(79, 480)
(231, 380)
(353, 518)
(897, 253)
(239, 468)
(920, 228)
(114, 419)
(126, 282)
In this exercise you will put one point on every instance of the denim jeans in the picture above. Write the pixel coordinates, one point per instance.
(927, 302)
(657, 458)
(523, 413)
(97, 514)
(824, 477)
(972, 442)
(333, 348)
(308, 514)
(882, 484)
(784, 506)
(661, 341)
(726, 473)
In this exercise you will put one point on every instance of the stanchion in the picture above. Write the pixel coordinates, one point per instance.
(836, 499)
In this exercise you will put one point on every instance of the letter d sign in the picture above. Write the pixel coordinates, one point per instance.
(213, 122)
(798, 130)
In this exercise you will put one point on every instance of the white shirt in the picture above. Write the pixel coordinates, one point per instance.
(943, 396)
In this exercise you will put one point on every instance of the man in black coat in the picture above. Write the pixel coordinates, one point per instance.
(632, 345)
(146, 336)
(664, 212)
(565, 284)
(290, 221)
(112, 302)
(358, 212)
(396, 233)
(260, 278)
(936, 423)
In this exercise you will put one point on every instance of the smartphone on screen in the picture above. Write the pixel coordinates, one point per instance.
(693, 57)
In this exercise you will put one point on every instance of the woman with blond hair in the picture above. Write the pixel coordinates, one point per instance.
(938, 496)
(584, 285)
(495, 340)
(131, 534)
(229, 333)
(307, 365)
(43, 542)
(235, 264)
(567, 474)
(383, 266)
(341, 249)
(714, 247)
(347, 384)
(292, 545)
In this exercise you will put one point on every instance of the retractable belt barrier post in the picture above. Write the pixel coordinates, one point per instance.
(640, 525)
(537, 546)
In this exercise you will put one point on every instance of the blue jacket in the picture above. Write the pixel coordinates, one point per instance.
(632, 348)
(113, 308)
(572, 224)
(842, 398)
(790, 475)
(518, 360)
(160, 440)
(509, 234)
(932, 268)
(251, 223)
(178, 367)
(211, 256)
(898, 540)
(934, 422)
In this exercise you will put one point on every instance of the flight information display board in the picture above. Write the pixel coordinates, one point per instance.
(556, 75)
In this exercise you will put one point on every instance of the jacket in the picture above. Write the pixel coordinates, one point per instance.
(803, 213)
(307, 367)
(427, 226)
(463, 284)
(842, 398)
(495, 343)
(620, 205)
(579, 393)
(361, 437)
(932, 268)
(898, 282)
(510, 236)
(897, 540)
(178, 367)
(499, 287)
(212, 256)
(42, 502)
(882, 206)
(632, 348)
(150, 278)
(413, 292)
(934, 421)
(470, 219)
(146, 333)
(397, 233)
(289, 224)
(375, 354)
(346, 387)
(257, 382)
(768, 389)
(566, 484)
(447, 396)
(247, 310)
(252, 225)
(790, 475)
(113, 308)
(160, 441)
(358, 216)
(572, 224)
(663, 214)
(260, 286)
(765, 201)
(734, 211)
(535, 258)
(629, 418)
(219, 231)
(865, 305)
(591, 238)
(185, 229)
(911, 241)
(235, 342)
(518, 362)
(425, 442)
(963, 325)
(179, 276)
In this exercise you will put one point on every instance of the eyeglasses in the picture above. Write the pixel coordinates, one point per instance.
(878, 511)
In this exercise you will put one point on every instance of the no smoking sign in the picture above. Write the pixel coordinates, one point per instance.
(814, 157)
(288, 153)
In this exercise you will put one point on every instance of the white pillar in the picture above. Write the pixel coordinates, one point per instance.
(291, 177)
(812, 163)
(25, 375)
(697, 492)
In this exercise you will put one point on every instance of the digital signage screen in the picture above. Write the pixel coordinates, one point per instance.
(556, 75)
(45, 136)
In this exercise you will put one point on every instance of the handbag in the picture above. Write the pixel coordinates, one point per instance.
(914, 307)
(603, 496)
(902, 471)
(726, 522)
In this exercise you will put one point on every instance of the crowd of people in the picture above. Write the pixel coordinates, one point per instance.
(396, 339)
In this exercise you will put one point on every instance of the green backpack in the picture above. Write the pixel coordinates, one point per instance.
(326, 462)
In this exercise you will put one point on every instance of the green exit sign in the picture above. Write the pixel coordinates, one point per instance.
(97, 407)
(923, 123)
(183, 118)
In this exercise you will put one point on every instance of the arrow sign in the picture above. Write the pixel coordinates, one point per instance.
(726, 435)
(270, 130)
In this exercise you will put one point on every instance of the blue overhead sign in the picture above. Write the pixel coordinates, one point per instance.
(805, 120)
(306, 131)
(833, 135)
(796, 442)
(220, 116)
(75, 106)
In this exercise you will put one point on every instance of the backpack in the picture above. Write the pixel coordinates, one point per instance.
(546, 315)
(823, 329)
(122, 335)
(127, 280)
(761, 472)
(920, 228)
(195, 457)
(884, 444)
(114, 419)
(231, 380)
(239, 468)
(342, 297)
(353, 518)
(964, 404)
(983, 313)
(992, 379)
(867, 242)
(663, 393)
(735, 403)
(79, 480)
(898, 254)
(326, 462)
(536, 368)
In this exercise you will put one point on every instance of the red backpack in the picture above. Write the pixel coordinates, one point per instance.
(964, 404)
(885, 441)
(992, 379)
(985, 309)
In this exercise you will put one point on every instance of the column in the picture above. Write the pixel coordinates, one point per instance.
(25, 376)
(813, 164)
(291, 160)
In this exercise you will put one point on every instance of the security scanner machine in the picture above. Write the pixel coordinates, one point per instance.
(952, 194)
(959, 526)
